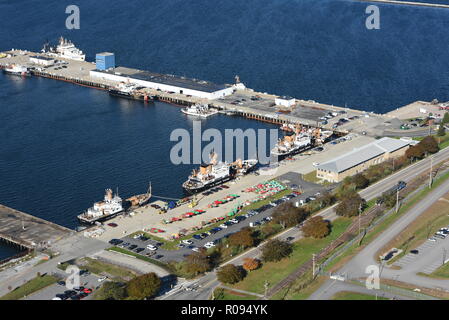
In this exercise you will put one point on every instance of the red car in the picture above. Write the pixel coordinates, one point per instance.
(112, 224)
(87, 290)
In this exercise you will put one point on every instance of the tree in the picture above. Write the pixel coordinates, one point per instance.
(326, 199)
(350, 206)
(429, 144)
(415, 152)
(441, 130)
(244, 238)
(275, 250)
(144, 286)
(446, 118)
(316, 227)
(250, 264)
(360, 181)
(287, 215)
(230, 274)
(197, 263)
(111, 291)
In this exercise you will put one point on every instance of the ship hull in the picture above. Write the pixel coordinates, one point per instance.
(193, 190)
(23, 74)
(198, 114)
(126, 95)
(99, 219)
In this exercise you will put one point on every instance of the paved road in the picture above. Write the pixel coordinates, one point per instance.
(207, 283)
(356, 267)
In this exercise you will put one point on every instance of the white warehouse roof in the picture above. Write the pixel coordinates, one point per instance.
(363, 154)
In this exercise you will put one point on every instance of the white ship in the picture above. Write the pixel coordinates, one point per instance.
(65, 49)
(199, 110)
(208, 175)
(292, 144)
(242, 167)
(103, 210)
(17, 69)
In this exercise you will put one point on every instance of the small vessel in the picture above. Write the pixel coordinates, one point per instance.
(65, 49)
(293, 143)
(17, 69)
(103, 210)
(242, 167)
(199, 110)
(140, 199)
(129, 91)
(208, 175)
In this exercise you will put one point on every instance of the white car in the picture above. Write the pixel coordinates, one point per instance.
(151, 247)
(234, 221)
(209, 245)
(315, 164)
(56, 298)
(432, 239)
(102, 279)
(223, 226)
(187, 241)
(195, 249)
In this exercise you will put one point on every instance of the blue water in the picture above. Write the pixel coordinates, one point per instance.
(63, 144)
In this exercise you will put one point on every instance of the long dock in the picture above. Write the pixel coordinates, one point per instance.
(243, 101)
(28, 232)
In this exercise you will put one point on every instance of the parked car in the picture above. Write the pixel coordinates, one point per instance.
(151, 247)
(187, 241)
(113, 225)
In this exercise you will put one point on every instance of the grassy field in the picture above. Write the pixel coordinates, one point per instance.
(311, 177)
(440, 273)
(350, 295)
(273, 272)
(103, 268)
(30, 287)
(225, 294)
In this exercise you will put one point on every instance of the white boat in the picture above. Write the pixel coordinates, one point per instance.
(294, 143)
(199, 110)
(17, 69)
(65, 49)
(208, 175)
(103, 210)
(242, 167)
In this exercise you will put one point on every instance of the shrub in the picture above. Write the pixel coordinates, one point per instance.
(275, 250)
(316, 227)
(244, 238)
(230, 274)
(144, 286)
(350, 205)
(111, 291)
(250, 264)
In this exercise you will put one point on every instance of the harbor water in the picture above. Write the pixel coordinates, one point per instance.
(62, 145)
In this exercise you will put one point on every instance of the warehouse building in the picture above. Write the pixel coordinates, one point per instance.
(44, 61)
(361, 159)
(163, 82)
(285, 101)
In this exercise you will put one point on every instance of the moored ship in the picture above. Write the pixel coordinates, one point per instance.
(65, 49)
(215, 173)
(129, 91)
(199, 110)
(293, 143)
(17, 69)
(103, 210)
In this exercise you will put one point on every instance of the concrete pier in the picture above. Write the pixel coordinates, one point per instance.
(28, 232)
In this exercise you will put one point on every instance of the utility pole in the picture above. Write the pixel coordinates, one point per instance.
(397, 199)
(313, 265)
(360, 213)
(430, 173)
(266, 284)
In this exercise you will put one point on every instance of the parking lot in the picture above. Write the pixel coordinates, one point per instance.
(429, 256)
(152, 248)
(87, 281)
